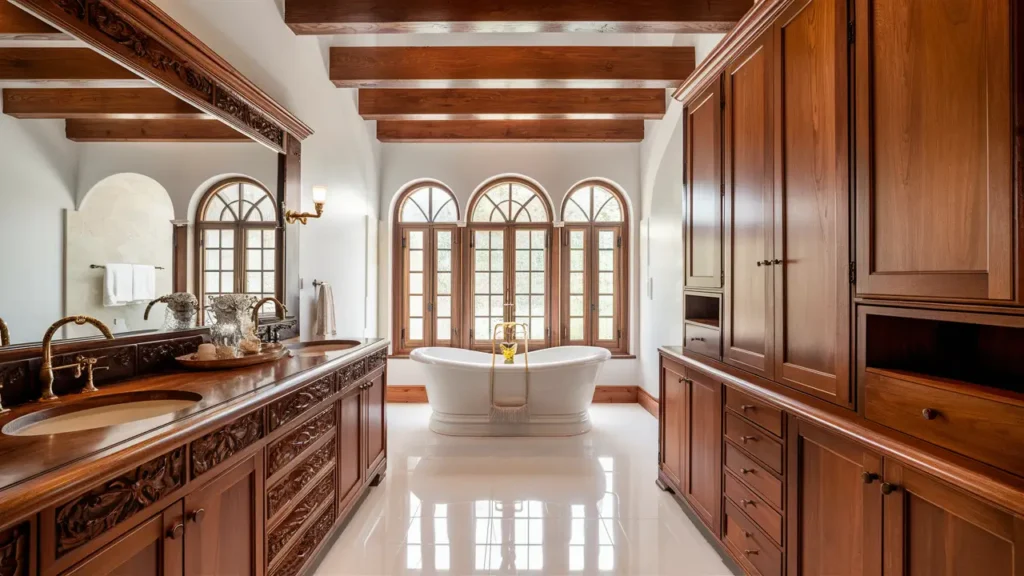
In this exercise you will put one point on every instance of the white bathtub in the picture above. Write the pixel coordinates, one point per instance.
(562, 382)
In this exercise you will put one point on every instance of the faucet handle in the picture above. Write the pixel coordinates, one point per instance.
(90, 368)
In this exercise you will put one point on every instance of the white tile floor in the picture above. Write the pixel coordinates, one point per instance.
(582, 505)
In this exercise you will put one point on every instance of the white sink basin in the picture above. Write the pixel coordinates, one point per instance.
(102, 412)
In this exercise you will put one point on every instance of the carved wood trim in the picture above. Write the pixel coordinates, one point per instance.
(294, 405)
(162, 354)
(323, 492)
(357, 370)
(210, 450)
(288, 448)
(376, 360)
(284, 491)
(303, 550)
(144, 39)
(80, 520)
(14, 550)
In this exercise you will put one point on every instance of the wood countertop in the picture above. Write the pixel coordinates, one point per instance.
(36, 471)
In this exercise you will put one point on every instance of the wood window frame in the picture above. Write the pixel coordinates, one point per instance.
(620, 346)
(240, 227)
(400, 289)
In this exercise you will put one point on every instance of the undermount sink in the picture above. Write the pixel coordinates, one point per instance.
(102, 412)
(322, 347)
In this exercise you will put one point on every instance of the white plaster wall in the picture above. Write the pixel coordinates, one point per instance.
(124, 218)
(37, 184)
(556, 168)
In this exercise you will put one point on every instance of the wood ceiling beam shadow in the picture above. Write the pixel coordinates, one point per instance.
(97, 103)
(535, 104)
(16, 24)
(511, 131)
(511, 67)
(440, 16)
(62, 67)
(210, 130)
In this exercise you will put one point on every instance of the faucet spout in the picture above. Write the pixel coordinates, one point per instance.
(46, 373)
(281, 311)
(159, 300)
(5, 334)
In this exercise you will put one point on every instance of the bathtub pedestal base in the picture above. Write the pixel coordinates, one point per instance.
(539, 425)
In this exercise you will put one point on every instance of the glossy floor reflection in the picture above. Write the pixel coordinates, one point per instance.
(462, 506)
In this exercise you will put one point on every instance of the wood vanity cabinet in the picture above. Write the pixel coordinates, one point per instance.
(672, 421)
(351, 471)
(154, 548)
(223, 523)
(703, 172)
(374, 428)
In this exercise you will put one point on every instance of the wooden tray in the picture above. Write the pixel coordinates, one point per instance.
(189, 361)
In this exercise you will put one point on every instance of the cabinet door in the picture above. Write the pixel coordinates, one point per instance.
(702, 452)
(350, 447)
(223, 523)
(374, 425)
(833, 506)
(934, 149)
(933, 529)
(704, 189)
(812, 204)
(673, 397)
(749, 220)
(153, 548)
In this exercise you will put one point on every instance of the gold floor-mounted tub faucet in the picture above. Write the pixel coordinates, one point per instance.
(46, 373)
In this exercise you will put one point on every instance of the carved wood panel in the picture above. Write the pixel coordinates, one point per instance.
(292, 406)
(14, 550)
(216, 447)
(104, 507)
(120, 362)
(303, 550)
(377, 359)
(288, 448)
(160, 355)
(15, 385)
(285, 490)
(358, 369)
(322, 493)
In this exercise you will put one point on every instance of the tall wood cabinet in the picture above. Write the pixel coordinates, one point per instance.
(703, 173)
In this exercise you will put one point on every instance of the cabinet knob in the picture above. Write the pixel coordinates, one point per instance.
(197, 516)
(748, 534)
(746, 407)
(930, 413)
(760, 263)
(747, 470)
(776, 261)
(888, 488)
(746, 439)
(751, 552)
(681, 380)
(748, 503)
(176, 531)
(869, 477)
(695, 339)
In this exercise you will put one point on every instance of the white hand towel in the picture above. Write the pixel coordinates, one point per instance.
(117, 284)
(323, 318)
(143, 283)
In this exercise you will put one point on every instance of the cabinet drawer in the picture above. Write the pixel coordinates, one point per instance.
(281, 453)
(754, 475)
(747, 542)
(706, 341)
(297, 403)
(316, 499)
(984, 428)
(302, 551)
(761, 413)
(280, 495)
(756, 507)
(764, 447)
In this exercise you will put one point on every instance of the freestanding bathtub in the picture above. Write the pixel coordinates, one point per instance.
(562, 383)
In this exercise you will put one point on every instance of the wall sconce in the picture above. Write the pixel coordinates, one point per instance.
(319, 199)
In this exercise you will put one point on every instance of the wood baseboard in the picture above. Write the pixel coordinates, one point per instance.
(602, 395)
(647, 402)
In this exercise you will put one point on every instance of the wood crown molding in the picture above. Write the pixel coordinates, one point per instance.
(146, 40)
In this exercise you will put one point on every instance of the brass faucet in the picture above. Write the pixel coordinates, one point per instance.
(145, 316)
(90, 367)
(46, 373)
(5, 334)
(281, 311)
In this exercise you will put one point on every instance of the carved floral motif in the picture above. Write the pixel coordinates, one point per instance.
(216, 447)
(290, 407)
(323, 492)
(113, 502)
(303, 550)
(159, 353)
(286, 489)
(248, 115)
(289, 447)
(377, 360)
(14, 556)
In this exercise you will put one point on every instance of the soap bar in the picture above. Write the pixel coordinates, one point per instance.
(207, 352)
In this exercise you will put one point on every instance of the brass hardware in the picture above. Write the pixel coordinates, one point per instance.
(162, 299)
(46, 372)
(930, 413)
(695, 339)
(5, 334)
(746, 439)
(869, 477)
(748, 503)
(176, 531)
(888, 488)
(89, 365)
(751, 552)
(760, 263)
(681, 380)
(776, 261)
(764, 262)
(747, 470)
(197, 516)
(746, 407)
(688, 381)
(319, 199)
(748, 534)
(281, 311)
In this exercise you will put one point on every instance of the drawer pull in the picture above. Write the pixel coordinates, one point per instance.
(776, 261)
(746, 407)
(929, 414)
(748, 503)
(869, 477)
(746, 439)
(695, 339)
(751, 552)
(748, 535)
(197, 516)
(747, 470)
(681, 380)
(888, 488)
(176, 531)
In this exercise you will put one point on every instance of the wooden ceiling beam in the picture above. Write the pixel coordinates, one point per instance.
(98, 104)
(210, 130)
(62, 67)
(511, 131)
(16, 24)
(511, 67)
(441, 16)
(503, 104)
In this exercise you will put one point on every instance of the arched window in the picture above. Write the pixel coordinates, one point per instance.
(426, 268)
(595, 267)
(239, 239)
(509, 276)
